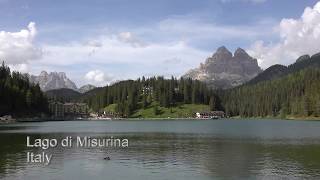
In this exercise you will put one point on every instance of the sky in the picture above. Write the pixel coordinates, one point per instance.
(103, 41)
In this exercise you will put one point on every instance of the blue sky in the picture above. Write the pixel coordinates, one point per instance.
(100, 41)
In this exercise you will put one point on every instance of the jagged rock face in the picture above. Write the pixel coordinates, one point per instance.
(86, 88)
(53, 80)
(226, 70)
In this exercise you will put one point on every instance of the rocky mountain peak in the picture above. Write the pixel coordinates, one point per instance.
(43, 73)
(53, 80)
(222, 52)
(225, 70)
(62, 75)
(241, 53)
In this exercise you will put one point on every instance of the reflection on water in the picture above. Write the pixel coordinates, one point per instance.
(187, 149)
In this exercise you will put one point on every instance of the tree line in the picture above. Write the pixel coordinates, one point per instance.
(131, 95)
(297, 94)
(18, 96)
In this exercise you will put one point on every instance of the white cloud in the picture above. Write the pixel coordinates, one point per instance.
(18, 47)
(151, 58)
(128, 37)
(297, 37)
(93, 43)
(23, 68)
(167, 48)
(98, 78)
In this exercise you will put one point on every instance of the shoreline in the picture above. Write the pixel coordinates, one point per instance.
(26, 120)
(279, 118)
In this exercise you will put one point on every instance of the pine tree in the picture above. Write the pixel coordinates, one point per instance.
(29, 98)
(17, 95)
(186, 92)
(144, 101)
(155, 110)
(212, 103)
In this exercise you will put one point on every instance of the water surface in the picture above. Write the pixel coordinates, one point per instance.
(169, 149)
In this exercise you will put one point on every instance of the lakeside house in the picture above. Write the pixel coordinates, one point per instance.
(68, 110)
(104, 115)
(210, 114)
(79, 109)
(6, 119)
(56, 109)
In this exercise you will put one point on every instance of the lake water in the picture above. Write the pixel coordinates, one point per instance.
(168, 149)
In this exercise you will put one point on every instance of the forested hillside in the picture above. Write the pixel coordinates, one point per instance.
(278, 71)
(296, 95)
(273, 72)
(62, 95)
(132, 95)
(279, 91)
(18, 96)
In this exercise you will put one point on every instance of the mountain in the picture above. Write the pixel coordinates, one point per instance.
(304, 61)
(86, 88)
(278, 71)
(226, 70)
(52, 80)
(270, 73)
(63, 94)
(294, 95)
(279, 91)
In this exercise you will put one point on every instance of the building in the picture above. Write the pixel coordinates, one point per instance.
(76, 109)
(147, 90)
(56, 109)
(69, 110)
(210, 114)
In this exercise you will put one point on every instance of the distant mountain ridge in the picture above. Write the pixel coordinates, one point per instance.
(278, 71)
(57, 80)
(86, 88)
(69, 95)
(270, 73)
(53, 80)
(63, 94)
(226, 70)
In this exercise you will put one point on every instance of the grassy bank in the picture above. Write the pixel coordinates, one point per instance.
(155, 111)
(189, 110)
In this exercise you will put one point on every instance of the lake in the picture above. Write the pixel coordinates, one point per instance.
(168, 149)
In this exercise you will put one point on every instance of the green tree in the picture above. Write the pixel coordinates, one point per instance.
(29, 98)
(212, 103)
(155, 110)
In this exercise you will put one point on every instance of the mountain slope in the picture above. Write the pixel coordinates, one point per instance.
(304, 62)
(155, 94)
(278, 71)
(272, 72)
(226, 70)
(86, 88)
(63, 94)
(294, 95)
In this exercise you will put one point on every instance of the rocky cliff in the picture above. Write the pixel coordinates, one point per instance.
(226, 70)
(53, 80)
